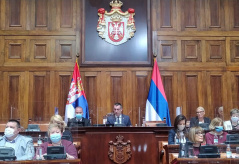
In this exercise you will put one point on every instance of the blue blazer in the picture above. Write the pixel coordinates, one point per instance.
(24, 149)
(125, 120)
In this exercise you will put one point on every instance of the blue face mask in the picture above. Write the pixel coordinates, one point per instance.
(218, 128)
(79, 116)
(55, 138)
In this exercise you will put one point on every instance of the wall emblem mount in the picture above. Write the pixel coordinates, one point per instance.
(116, 27)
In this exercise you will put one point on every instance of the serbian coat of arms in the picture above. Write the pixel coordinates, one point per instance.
(116, 26)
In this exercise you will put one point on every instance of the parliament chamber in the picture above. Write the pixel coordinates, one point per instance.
(195, 43)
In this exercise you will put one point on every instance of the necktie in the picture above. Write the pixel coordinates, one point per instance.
(118, 120)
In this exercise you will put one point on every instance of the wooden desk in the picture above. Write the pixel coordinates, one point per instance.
(205, 161)
(62, 161)
(174, 149)
(95, 142)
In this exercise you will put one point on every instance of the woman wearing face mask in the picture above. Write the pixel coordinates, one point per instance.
(216, 133)
(196, 136)
(233, 123)
(55, 132)
(57, 119)
(178, 133)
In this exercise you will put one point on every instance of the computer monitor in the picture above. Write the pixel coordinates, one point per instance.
(66, 137)
(55, 152)
(33, 128)
(232, 139)
(208, 151)
(161, 124)
(205, 126)
(7, 154)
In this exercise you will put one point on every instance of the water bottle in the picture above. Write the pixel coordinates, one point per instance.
(39, 142)
(228, 151)
(176, 139)
(182, 150)
(215, 139)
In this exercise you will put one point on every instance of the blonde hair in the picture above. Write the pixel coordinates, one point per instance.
(233, 111)
(58, 120)
(200, 107)
(215, 122)
(192, 133)
(54, 125)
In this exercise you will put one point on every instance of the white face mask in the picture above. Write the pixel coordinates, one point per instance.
(234, 119)
(9, 132)
(181, 127)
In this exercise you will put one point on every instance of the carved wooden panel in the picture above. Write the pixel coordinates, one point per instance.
(91, 90)
(65, 50)
(169, 91)
(236, 13)
(62, 83)
(167, 50)
(13, 99)
(40, 50)
(116, 87)
(39, 101)
(15, 50)
(234, 49)
(66, 13)
(41, 13)
(15, 14)
(191, 94)
(190, 12)
(166, 13)
(234, 87)
(215, 51)
(216, 91)
(216, 12)
(141, 89)
(191, 51)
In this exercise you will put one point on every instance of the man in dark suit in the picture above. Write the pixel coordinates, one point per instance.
(79, 120)
(118, 117)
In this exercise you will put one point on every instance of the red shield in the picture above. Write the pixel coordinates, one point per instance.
(116, 31)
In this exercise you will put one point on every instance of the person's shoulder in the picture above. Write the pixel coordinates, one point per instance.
(72, 120)
(125, 115)
(171, 131)
(66, 142)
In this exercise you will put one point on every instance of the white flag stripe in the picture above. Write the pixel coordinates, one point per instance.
(151, 114)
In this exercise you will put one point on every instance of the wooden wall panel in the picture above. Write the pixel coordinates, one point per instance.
(39, 101)
(15, 50)
(91, 90)
(41, 13)
(191, 94)
(65, 50)
(196, 43)
(191, 51)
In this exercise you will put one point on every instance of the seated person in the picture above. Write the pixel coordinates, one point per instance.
(178, 133)
(232, 124)
(23, 146)
(220, 113)
(195, 121)
(55, 132)
(57, 119)
(216, 128)
(196, 136)
(79, 120)
(118, 117)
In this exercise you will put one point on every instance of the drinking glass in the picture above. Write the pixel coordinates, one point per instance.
(190, 152)
(237, 152)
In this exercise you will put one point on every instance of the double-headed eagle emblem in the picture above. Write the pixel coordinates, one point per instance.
(116, 26)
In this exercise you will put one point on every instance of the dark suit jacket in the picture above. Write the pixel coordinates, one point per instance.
(195, 122)
(125, 120)
(74, 123)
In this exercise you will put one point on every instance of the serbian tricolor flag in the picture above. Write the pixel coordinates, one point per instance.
(76, 96)
(157, 105)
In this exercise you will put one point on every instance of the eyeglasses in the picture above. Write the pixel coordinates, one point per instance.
(200, 133)
(199, 112)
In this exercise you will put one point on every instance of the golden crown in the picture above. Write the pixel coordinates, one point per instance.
(116, 18)
(116, 3)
